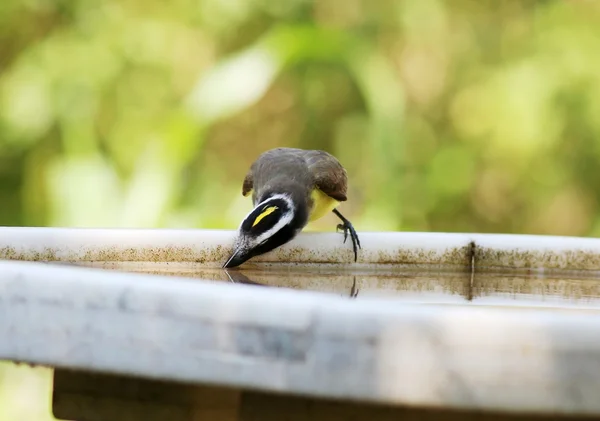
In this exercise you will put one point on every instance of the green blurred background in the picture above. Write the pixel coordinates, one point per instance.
(462, 116)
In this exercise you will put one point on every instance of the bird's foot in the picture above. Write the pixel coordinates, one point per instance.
(347, 228)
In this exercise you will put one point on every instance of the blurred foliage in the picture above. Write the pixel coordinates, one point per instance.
(472, 116)
(475, 116)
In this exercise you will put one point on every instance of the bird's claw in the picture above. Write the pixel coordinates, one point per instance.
(347, 227)
(344, 229)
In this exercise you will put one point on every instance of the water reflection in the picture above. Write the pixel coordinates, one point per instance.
(236, 276)
(432, 287)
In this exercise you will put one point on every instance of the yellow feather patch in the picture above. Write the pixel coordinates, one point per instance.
(265, 212)
(322, 204)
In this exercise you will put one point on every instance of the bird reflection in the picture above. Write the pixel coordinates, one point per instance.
(354, 290)
(237, 277)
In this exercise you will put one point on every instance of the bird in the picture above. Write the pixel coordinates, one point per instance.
(290, 187)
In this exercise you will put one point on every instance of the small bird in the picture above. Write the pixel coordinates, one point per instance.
(290, 187)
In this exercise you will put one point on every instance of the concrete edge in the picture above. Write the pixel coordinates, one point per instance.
(211, 248)
(311, 344)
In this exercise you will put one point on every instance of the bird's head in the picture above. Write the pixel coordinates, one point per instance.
(273, 222)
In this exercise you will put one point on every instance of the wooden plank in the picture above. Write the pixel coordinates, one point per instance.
(87, 396)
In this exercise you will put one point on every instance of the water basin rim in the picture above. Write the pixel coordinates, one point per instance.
(211, 247)
(125, 311)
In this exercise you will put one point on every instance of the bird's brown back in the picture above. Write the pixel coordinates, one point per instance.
(281, 167)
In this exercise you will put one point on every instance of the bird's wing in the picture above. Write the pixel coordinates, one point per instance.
(248, 183)
(328, 174)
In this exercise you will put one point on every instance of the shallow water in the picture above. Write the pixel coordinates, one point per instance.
(431, 287)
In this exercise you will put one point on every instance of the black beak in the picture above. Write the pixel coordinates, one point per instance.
(237, 258)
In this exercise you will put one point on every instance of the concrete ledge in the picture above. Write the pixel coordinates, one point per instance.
(306, 343)
(209, 248)
(536, 252)
(448, 340)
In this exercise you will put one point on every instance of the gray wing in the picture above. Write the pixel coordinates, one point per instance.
(328, 174)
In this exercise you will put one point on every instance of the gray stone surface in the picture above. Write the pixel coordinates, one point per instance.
(319, 345)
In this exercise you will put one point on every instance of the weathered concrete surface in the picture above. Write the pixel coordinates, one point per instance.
(536, 252)
(298, 342)
(210, 248)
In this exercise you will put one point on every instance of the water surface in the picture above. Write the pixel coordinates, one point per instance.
(430, 287)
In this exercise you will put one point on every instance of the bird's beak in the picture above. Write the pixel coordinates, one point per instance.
(238, 257)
